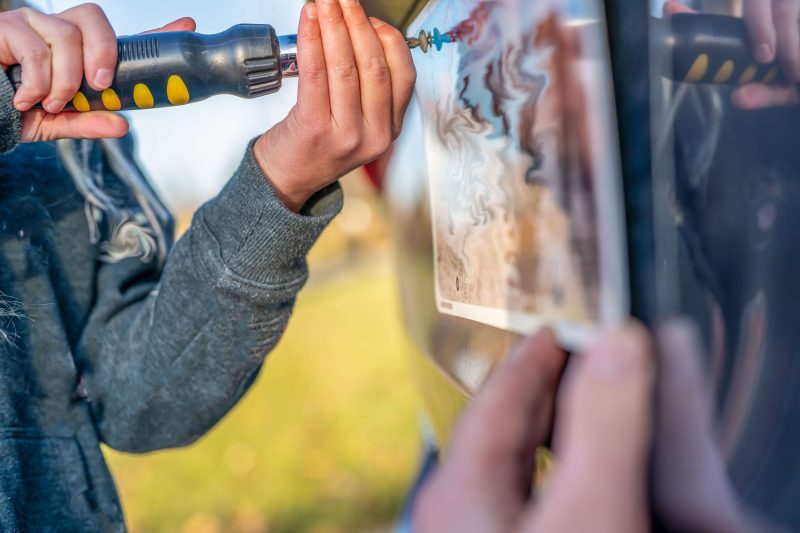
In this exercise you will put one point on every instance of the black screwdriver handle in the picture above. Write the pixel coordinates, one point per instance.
(712, 49)
(176, 68)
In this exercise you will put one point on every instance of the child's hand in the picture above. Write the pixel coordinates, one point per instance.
(356, 79)
(55, 52)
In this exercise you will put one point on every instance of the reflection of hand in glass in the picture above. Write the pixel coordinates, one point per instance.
(603, 436)
(691, 487)
(774, 28)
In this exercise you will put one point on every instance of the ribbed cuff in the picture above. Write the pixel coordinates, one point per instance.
(10, 118)
(253, 237)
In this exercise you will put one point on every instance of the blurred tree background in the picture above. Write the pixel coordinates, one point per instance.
(327, 439)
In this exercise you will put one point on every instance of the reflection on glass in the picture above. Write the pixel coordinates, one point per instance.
(727, 201)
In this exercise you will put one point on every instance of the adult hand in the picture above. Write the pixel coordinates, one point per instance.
(774, 30)
(356, 81)
(56, 52)
(602, 443)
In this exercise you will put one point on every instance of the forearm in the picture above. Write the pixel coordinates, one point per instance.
(168, 361)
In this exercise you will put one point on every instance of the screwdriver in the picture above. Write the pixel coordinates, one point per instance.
(177, 68)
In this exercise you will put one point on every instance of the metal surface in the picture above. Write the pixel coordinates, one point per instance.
(287, 44)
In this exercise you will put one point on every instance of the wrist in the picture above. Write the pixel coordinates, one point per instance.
(279, 176)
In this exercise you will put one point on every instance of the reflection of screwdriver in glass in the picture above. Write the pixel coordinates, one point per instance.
(427, 40)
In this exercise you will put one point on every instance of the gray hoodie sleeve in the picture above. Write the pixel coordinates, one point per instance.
(166, 355)
(10, 118)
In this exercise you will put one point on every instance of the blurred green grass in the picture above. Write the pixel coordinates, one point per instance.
(326, 441)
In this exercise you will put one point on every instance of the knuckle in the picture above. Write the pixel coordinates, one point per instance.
(391, 34)
(314, 73)
(359, 21)
(409, 77)
(318, 130)
(37, 90)
(345, 69)
(66, 88)
(397, 127)
(15, 19)
(306, 35)
(37, 54)
(350, 143)
(107, 56)
(69, 33)
(382, 141)
(92, 9)
(378, 70)
(387, 141)
(24, 12)
(334, 19)
(101, 53)
(356, 18)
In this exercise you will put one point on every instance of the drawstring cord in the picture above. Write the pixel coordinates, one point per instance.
(132, 232)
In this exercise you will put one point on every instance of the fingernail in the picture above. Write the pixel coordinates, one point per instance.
(617, 354)
(679, 335)
(544, 335)
(604, 360)
(348, 2)
(311, 11)
(23, 106)
(104, 78)
(54, 106)
(764, 54)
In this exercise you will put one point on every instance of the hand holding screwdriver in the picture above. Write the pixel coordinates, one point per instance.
(56, 52)
(356, 81)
